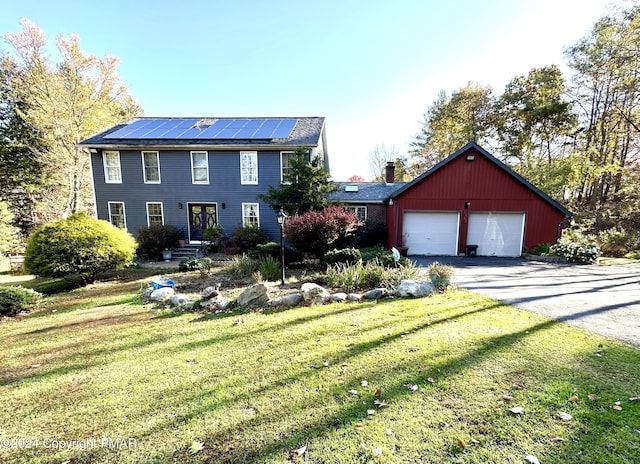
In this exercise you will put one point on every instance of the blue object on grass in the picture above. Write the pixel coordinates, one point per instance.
(162, 282)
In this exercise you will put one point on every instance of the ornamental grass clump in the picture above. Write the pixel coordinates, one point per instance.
(440, 275)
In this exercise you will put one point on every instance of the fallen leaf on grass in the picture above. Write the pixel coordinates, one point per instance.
(532, 459)
(555, 438)
(413, 348)
(381, 403)
(517, 410)
(325, 363)
(388, 431)
(517, 385)
(461, 443)
(565, 416)
(378, 392)
(430, 380)
(364, 383)
(444, 424)
(196, 446)
(634, 398)
(573, 398)
(353, 392)
(507, 397)
(376, 451)
(474, 441)
(359, 425)
(411, 387)
(300, 451)
(33, 366)
(617, 407)
(593, 397)
(371, 412)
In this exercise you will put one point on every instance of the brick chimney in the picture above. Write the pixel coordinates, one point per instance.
(390, 173)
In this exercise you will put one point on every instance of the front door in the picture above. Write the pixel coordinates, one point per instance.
(201, 216)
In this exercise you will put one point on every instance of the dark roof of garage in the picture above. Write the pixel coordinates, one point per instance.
(494, 160)
(363, 192)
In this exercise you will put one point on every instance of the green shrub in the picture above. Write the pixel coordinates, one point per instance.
(373, 274)
(188, 264)
(343, 256)
(371, 233)
(616, 241)
(248, 238)
(14, 300)
(204, 265)
(214, 235)
(80, 245)
(270, 269)
(577, 252)
(243, 266)
(440, 275)
(153, 240)
(633, 255)
(272, 249)
(542, 249)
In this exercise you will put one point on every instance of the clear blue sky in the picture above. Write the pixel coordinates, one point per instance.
(371, 68)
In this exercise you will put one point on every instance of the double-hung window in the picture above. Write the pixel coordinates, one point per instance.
(359, 211)
(116, 214)
(151, 167)
(249, 167)
(154, 214)
(285, 166)
(112, 171)
(250, 214)
(199, 167)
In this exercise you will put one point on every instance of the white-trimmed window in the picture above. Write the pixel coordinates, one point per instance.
(151, 167)
(199, 167)
(155, 215)
(250, 214)
(249, 167)
(112, 171)
(285, 166)
(116, 214)
(360, 211)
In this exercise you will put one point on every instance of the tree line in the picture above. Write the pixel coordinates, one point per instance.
(577, 139)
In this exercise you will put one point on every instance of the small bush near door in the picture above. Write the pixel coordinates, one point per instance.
(153, 240)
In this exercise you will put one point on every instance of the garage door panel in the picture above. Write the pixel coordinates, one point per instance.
(496, 234)
(433, 233)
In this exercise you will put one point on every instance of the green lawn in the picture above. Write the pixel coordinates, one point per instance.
(100, 370)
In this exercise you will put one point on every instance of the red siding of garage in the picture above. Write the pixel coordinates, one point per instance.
(487, 188)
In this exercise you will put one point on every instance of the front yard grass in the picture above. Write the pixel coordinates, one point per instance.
(100, 377)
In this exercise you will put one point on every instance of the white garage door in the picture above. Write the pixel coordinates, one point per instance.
(431, 233)
(496, 234)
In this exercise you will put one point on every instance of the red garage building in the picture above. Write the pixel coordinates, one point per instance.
(468, 200)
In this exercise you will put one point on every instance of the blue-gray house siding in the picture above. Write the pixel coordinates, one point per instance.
(176, 191)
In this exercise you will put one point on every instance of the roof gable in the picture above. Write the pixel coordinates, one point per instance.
(470, 147)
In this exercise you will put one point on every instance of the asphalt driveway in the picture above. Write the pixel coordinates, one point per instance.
(604, 299)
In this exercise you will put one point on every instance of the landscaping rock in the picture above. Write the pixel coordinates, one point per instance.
(354, 297)
(180, 299)
(161, 294)
(254, 296)
(286, 301)
(209, 292)
(338, 297)
(314, 293)
(375, 294)
(415, 288)
(215, 303)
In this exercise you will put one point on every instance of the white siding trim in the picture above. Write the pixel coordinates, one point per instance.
(257, 207)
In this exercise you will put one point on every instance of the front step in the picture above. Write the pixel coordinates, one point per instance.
(187, 251)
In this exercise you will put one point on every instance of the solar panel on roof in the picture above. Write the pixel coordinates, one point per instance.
(203, 128)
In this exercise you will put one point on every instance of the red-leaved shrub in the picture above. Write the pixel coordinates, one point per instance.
(317, 232)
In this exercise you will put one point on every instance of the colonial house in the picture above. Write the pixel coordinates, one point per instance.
(194, 173)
